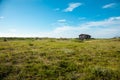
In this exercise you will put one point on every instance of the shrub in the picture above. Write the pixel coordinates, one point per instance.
(30, 44)
(5, 39)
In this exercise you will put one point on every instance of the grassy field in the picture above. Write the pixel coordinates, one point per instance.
(57, 59)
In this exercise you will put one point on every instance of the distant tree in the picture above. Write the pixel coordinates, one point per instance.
(116, 37)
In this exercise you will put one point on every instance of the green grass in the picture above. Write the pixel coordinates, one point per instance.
(57, 59)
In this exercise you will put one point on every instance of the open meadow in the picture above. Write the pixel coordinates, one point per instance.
(59, 59)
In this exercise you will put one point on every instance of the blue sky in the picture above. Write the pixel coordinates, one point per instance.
(59, 18)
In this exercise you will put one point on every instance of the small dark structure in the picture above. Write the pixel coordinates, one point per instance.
(84, 36)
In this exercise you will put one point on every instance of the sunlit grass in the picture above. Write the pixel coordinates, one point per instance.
(54, 59)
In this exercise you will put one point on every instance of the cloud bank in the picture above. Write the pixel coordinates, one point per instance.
(106, 28)
(98, 29)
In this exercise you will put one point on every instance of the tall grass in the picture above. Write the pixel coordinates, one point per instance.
(58, 59)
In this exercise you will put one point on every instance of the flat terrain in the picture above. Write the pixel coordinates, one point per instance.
(53, 59)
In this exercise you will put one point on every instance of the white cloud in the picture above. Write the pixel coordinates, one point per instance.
(109, 5)
(16, 35)
(72, 6)
(61, 20)
(114, 18)
(1, 17)
(106, 33)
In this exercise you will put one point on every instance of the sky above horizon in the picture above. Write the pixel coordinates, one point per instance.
(59, 18)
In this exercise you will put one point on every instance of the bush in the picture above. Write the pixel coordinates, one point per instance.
(5, 39)
(30, 44)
